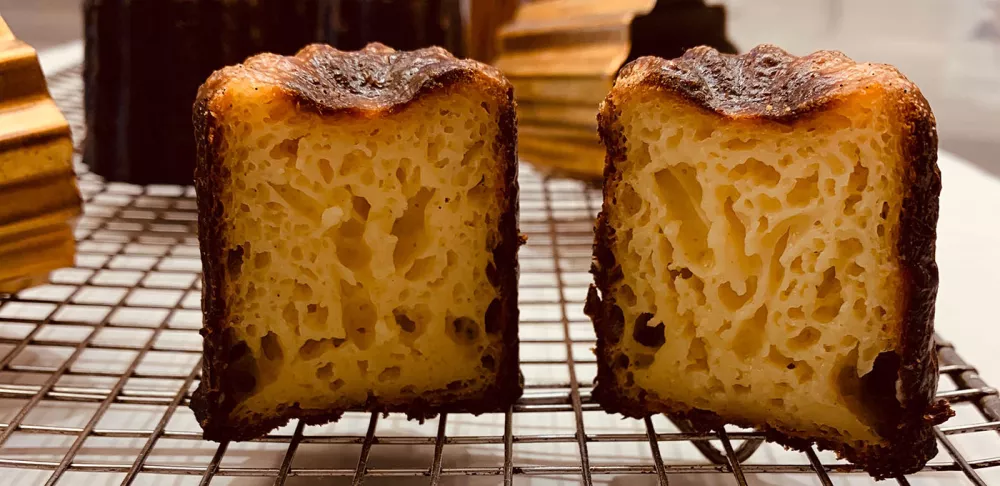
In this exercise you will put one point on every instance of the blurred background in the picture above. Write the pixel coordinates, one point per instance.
(950, 48)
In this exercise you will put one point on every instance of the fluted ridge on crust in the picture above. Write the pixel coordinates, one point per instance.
(327, 80)
(766, 82)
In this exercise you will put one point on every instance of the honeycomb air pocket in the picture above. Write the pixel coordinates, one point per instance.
(464, 330)
(649, 336)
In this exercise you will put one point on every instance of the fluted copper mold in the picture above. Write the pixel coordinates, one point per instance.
(38, 193)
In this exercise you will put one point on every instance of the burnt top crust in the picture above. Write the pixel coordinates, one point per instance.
(766, 82)
(369, 82)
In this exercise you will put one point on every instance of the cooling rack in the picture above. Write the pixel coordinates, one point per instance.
(96, 370)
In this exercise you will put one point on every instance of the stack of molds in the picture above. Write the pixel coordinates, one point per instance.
(38, 193)
(563, 55)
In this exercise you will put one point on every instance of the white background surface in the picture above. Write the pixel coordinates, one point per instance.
(968, 255)
(950, 48)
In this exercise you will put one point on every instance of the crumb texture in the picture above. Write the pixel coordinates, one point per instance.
(358, 250)
(761, 275)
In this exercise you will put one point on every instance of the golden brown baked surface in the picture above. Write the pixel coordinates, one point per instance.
(359, 235)
(765, 251)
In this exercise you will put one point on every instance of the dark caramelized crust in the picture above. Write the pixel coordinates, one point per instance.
(371, 83)
(768, 84)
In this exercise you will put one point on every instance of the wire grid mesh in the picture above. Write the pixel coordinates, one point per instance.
(97, 369)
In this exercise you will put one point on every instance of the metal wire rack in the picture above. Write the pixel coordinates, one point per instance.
(96, 370)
